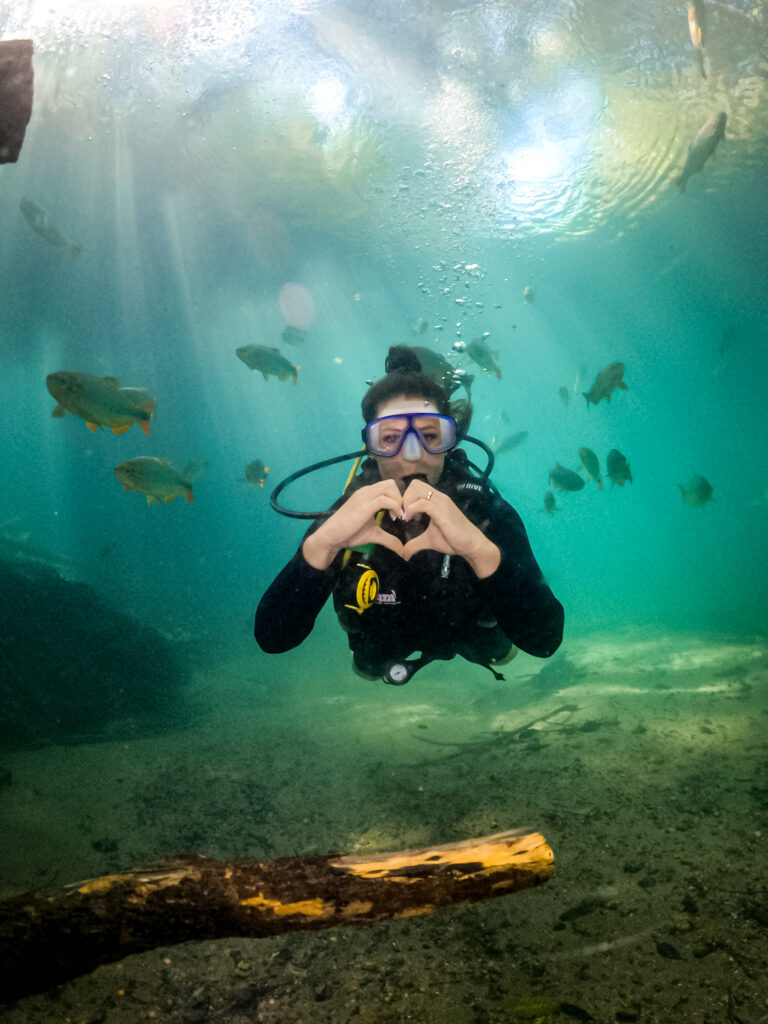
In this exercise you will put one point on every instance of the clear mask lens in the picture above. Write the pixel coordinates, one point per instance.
(412, 432)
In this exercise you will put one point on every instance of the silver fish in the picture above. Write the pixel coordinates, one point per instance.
(40, 221)
(702, 147)
(269, 360)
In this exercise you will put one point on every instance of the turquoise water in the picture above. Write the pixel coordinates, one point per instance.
(403, 164)
(210, 163)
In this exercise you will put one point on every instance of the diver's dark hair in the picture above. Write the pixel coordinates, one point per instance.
(403, 376)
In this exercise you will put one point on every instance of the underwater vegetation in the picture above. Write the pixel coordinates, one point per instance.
(72, 667)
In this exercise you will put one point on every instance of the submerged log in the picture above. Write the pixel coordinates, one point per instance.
(50, 937)
(16, 91)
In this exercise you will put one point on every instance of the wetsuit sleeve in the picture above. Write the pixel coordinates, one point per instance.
(524, 606)
(287, 611)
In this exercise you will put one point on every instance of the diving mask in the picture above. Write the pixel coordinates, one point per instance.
(414, 430)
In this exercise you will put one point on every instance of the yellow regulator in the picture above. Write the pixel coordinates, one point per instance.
(366, 590)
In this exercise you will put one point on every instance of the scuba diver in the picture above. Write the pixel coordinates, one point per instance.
(422, 555)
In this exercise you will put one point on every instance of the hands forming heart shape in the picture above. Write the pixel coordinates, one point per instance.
(432, 522)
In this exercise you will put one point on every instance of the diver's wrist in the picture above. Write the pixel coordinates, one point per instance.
(317, 554)
(485, 559)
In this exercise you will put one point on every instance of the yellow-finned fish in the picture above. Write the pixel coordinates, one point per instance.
(696, 30)
(256, 473)
(100, 401)
(590, 462)
(158, 479)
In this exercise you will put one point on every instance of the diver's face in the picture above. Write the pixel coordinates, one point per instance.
(399, 466)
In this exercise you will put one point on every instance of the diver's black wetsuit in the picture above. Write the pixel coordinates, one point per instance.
(423, 604)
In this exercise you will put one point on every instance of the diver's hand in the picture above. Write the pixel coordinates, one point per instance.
(449, 530)
(355, 523)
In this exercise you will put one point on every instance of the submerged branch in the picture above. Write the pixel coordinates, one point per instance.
(50, 937)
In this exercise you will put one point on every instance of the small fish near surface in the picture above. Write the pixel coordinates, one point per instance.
(293, 335)
(590, 462)
(565, 395)
(696, 30)
(100, 401)
(158, 479)
(479, 353)
(697, 492)
(269, 360)
(40, 221)
(605, 383)
(549, 503)
(702, 148)
(565, 479)
(256, 473)
(617, 468)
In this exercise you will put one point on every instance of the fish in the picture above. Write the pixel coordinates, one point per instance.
(269, 360)
(549, 503)
(605, 383)
(156, 478)
(696, 30)
(40, 221)
(590, 462)
(696, 21)
(697, 492)
(437, 368)
(702, 147)
(15, 547)
(528, 294)
(293, 335)
(510, 443)
(100, 401)
(565, 394)
(617, 468)
(256, 473)
(420, 326)
(565, 479)
(479, 353)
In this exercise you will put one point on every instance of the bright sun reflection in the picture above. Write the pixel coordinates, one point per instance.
(554, 135)
(542, 162)
(328, 99)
